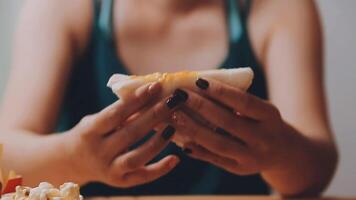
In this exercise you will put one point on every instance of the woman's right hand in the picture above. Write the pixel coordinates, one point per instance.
(98, 145)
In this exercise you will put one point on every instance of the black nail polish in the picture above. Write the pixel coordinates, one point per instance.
(173, 101)
(202, 84)
(179, 96)
(182, 94)
(187, 151)
(168, 132)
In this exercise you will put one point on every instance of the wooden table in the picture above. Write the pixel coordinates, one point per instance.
(212, 198)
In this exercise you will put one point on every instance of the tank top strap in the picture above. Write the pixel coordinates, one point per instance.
(234, 20)
(104, 10)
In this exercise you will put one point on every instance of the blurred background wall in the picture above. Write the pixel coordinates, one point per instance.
(340, 36)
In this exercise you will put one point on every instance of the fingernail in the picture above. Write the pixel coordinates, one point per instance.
(168, 132)
(179, 96)
(173, 101)
(187, 151)
(202, 84)
(182, 94)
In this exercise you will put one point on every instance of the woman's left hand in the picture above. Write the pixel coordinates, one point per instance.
(247, 134)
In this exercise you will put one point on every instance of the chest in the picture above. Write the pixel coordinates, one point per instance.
(148, 39)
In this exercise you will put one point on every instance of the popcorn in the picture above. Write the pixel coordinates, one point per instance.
(11, 189)
(46, 191)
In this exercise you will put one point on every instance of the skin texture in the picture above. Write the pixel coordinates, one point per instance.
(292, 140)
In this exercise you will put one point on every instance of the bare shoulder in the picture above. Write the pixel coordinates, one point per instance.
(269, 16)
(67, 16)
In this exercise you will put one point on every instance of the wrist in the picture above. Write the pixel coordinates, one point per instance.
(305, 161)
(71, 159)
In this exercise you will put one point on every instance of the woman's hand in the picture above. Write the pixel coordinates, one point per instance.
(245, 135)
(99, 144)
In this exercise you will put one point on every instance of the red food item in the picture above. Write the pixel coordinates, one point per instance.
(11, 185)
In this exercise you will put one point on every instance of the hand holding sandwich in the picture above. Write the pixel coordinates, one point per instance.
(246, 135)
(101, 142)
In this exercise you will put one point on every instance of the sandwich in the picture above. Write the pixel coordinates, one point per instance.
(124, 86)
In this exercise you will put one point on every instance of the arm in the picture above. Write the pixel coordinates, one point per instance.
(289, 142)
(44, 50)
(294, 68)
(41, 65)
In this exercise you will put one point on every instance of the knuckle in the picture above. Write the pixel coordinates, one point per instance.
(118, 180)
(220, 90)
(222, 147)
(156, 112)
(128, 164)
(250, 161)
(88, 120)
(274, 111)
(228, 122)
(198, 104)
(154, 145)
(193, 128)
(146, 177)
(142, 98)
(142, 91)
(158, 142)
(125, 132)
(114, 114)
(246, 101)
(87, 125)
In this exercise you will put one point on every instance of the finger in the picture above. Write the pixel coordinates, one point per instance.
(241, 101)
(219, 144)
(140, 156)
(151, 172)
(242, 128)
(200, 153)
(112, 116)
(136, 130)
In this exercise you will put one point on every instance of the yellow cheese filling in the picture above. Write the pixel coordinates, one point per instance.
(167, 77)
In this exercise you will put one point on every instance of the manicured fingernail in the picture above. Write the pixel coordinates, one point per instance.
(182, 94)
(178, 97)
(168, 132)
(187, 151)
(202, 84)
(173, 101)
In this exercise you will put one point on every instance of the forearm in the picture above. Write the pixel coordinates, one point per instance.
(306, 171)
(37, 158)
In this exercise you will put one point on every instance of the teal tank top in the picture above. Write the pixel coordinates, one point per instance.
(87, 93)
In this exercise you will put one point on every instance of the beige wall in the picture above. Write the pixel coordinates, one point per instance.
(8, 15)
(340, 26)
(340, 32)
